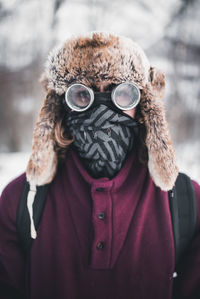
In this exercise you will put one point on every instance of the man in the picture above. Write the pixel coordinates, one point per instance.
(102, 146)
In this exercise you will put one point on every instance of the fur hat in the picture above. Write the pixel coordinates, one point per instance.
(89, 60)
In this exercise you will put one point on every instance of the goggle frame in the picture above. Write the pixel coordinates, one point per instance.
(92, 97)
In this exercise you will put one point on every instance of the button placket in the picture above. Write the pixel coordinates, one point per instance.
(101, 249)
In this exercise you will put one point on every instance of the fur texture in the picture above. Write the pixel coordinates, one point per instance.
(43, 161)
(99, 57)
(102, 57)
(162, 162)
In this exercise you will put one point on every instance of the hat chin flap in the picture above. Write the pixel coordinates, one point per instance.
(162, 161)
(43, 161)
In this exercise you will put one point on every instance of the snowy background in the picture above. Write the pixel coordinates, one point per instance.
(167, 30)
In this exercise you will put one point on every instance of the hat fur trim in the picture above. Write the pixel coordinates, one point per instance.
(95, 58)
(161, 154)
(42, 165)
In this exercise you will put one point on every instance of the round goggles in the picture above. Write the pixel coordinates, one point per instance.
(125, 96)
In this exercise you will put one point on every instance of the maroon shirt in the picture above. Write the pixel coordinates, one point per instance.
(98, 238)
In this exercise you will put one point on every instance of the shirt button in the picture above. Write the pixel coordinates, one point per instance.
(101, 216)
(100, 245)
(100, 189)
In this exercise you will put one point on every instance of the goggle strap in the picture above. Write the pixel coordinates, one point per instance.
(103, 96)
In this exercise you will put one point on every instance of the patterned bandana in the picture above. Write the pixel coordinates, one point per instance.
(102, 138)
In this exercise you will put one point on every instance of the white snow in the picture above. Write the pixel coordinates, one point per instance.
(11, 166)
(188, 155)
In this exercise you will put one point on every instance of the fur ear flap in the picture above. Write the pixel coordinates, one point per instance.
(162, 162)
(43, 161)
(157, 79)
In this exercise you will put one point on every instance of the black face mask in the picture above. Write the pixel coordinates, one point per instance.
(102, 138)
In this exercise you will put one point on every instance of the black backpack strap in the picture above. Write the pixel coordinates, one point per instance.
(23, 219)
(8, 292)
(183, 207)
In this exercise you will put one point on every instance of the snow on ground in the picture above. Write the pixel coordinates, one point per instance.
(11, 166)
(188, 159)
(14, 164)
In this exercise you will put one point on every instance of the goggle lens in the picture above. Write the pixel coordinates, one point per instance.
(79, 97)
(126, 96)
